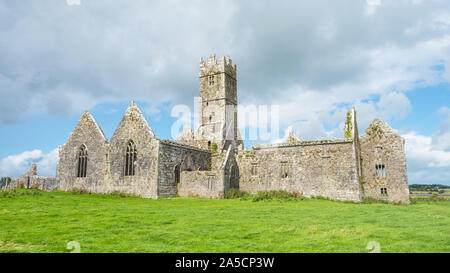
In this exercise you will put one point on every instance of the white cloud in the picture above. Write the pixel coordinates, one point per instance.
(426, 165)
(419, 148)
(16, 165)
(371, 6)
(373, 2)
(441, 139)
(70, 58)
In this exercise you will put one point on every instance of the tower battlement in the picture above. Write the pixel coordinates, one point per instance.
(211, 66)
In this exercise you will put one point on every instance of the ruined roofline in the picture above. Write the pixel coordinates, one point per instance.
(38, 176)
(98, 126)
(181, 145)
(379, 125)
(133, 109)
(301, 143)
(87, 115)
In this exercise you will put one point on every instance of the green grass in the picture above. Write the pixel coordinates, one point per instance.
(35, 221)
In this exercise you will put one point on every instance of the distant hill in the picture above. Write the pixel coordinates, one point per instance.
(427, 187)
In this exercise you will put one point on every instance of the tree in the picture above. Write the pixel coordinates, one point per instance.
(4, 181)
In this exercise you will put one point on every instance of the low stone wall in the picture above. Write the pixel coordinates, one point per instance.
(44, 183)
(205, 184)
(325, 169)
(34, 182)
(175, 158)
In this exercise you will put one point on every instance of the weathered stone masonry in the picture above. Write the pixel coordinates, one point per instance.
(210, 161)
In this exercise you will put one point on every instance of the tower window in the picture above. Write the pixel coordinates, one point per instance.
(82, 161)
(254, 169)
(210, 118)
(381, 170)
(130, 159)
(284, 170)
(211, 80)
(383, 191)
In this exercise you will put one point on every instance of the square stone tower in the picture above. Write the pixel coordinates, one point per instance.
(218, 104)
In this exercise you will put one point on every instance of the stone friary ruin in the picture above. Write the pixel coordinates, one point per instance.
(210, 161)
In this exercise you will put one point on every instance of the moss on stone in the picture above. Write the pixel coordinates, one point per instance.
(348, 126)
(213, 148)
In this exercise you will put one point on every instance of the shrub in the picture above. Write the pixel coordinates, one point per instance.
(268, 195)
(371, 200)
(320, 197)
(263, 195)
(18, 192)
(236, 193)
(120, 194)
(79, 191)
(297, 194)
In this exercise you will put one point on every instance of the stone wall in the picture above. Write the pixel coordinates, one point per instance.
(187, 158)
(205, 184)
(30, 180)
(89, 134)
(213, 183)
(106, 161)
(133, 128)
(381, 145)
(311, 168)
(44, 183)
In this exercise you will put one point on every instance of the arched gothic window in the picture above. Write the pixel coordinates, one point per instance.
(82, 161)
(234, 177)
(130, 159)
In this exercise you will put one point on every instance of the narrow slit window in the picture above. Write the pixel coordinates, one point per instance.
(130, 159)
(284, 170)
(82, 161)
(254, 169)
(177, 174)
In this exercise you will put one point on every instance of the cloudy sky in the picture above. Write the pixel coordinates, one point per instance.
(315, 59)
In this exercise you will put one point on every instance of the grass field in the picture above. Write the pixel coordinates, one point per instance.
(35, 221)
